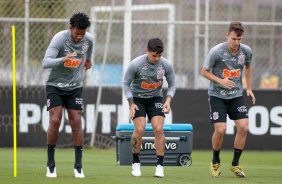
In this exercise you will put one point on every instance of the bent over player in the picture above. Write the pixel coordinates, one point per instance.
(68, 54)
(224, 68)
(142, 87)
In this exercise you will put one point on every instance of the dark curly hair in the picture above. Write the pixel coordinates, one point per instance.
(80, 20)
(155, 45)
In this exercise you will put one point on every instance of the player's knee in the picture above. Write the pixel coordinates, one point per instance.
(243, 129)
(75, 121)
(158, 131)
(55, 122)
(220, 131)
(139, 131)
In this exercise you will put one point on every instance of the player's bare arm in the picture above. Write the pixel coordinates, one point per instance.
(224, 82)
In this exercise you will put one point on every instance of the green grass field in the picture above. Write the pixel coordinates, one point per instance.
(100, 167)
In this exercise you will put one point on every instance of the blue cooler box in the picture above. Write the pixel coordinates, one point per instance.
(178, 147)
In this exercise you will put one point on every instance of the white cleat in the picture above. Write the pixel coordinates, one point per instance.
(159, 171)
(78, 174)
(51, 174)
(136, 169)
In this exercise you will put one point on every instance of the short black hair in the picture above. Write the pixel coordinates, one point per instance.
(80, 20)
(155, 45)
(236, 27)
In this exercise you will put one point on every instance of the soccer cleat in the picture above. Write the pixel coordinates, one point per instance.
(159, 171)
(78, 173)
(51, 172)
(215, 169)
(136, 169)
(238, 170)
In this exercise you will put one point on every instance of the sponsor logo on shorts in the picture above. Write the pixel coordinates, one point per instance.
(242, 109)
(159, 105)
(79, 101)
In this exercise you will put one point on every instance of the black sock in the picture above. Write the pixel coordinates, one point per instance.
(160, 160)
(236, 157)
(78, 157)
(135, 158)
(51, 155)
(216, 159)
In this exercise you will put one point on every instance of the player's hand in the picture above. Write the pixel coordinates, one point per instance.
(166, 108)
(87, 65)
(69, 56)
(133, 109)
(227, 83)
(250, 93)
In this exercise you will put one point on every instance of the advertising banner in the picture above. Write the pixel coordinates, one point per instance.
(188, 106)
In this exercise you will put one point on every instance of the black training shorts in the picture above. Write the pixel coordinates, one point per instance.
(150, 106)
(68, 99)
(219, 108)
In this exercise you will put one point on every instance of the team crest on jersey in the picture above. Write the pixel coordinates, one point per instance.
(215, 116)
(144, 67)
(241, 59)
(84, 49)
(160, 74)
